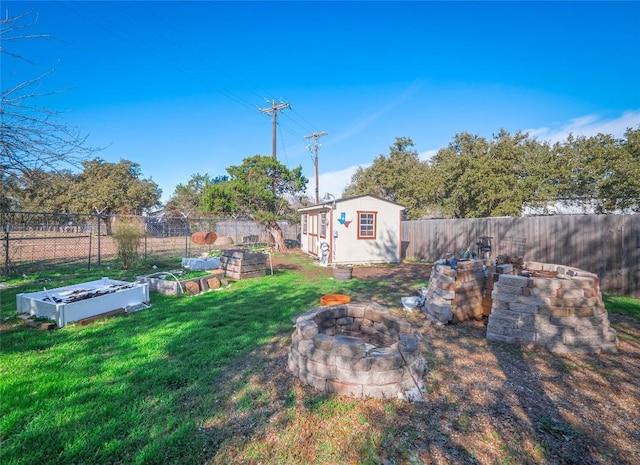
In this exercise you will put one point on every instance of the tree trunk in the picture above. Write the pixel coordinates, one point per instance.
(276, 233)
(108, 223)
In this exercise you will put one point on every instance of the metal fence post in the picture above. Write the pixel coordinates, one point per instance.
(186, 243)
(99, 260)
(7, 228)
(90, 237)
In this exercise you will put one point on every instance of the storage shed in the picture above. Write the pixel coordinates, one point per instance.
(355, 230)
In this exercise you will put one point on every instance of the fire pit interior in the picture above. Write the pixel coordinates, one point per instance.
(357, 349)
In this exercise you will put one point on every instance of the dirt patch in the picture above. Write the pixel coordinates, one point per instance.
(400, 276)
(488, 402)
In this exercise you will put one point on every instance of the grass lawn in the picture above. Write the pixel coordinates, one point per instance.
(203, 379)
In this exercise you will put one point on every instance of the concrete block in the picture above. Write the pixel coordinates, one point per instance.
(505, 268)
(387, 391)
(320, 369)
(349, 364)
(534, 266)
(326, 357)
(313, 380)
(526, 337)
(518, 307)
(346, 346)
(445, 294)
(382, 360)
(584, 311)
(513, 280)
(356, 310)
(323, 341)
(506, 289)
(500, 338)
(376, 313)
(335, 312)
(344, 321)
(544, 283)
(381, 327)
(293, 366)
(376, 378)
(344, 389)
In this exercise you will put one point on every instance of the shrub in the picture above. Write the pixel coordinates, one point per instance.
(128, 237)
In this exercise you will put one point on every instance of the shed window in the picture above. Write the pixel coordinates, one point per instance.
(367, 225)
(304, 223)
(323, 225)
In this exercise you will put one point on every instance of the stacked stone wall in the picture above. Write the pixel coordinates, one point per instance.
(563, 313)
(358, 349)
(458, 294)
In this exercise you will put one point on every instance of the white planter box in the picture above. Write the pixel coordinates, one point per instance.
(201, 264)
(102, 296)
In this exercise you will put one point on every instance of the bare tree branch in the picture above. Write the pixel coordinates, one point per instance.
(33, 136)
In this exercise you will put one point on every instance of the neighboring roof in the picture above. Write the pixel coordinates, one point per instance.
(330, 203)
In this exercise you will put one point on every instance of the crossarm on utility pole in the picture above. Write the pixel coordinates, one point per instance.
(316, 146)
(274, 118)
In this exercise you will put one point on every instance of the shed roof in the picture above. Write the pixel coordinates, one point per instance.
(330, 203)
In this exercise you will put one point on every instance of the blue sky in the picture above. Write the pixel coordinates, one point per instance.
(176, 86)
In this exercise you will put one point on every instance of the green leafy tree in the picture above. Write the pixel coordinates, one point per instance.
(602, 171)
(110, 188)
(474, 177)
(454, 170)
(262, 189)
(40, 190)
(399, 177)
(186, 197)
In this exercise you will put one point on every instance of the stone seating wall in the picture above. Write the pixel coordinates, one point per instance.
(564, 313)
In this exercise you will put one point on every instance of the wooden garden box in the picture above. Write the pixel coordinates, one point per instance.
(241, 264)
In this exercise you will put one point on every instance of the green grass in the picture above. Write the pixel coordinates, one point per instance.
(622, 305)
(150, 387)
(137, 388)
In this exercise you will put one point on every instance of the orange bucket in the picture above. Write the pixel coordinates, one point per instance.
(334, 299)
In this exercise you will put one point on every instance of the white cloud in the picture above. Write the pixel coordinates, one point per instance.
(427, 155)
(332, 182)
(588, 125)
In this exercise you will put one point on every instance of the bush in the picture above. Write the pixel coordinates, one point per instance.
(128, 236)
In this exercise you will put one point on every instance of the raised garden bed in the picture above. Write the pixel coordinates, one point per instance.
(86, 300)
(174, 283)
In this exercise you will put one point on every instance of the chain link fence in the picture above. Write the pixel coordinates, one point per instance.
(34, 240)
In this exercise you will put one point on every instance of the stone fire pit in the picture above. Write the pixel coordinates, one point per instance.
(556, 307)
(357, 349)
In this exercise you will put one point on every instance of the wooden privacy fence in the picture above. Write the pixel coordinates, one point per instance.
(608, 245)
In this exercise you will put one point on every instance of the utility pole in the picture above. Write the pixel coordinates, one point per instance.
(274, 109)
(316, 146)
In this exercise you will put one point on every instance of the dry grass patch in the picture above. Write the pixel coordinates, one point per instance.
(488, 403)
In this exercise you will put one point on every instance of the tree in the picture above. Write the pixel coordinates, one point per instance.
(602, 171)
(109, 188)
(32, 137)
(474, 177)
(40, 190)
(450, 186)
(186, 197)
(261, 188)
(400, 177)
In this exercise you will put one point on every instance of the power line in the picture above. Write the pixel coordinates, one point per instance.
(315, 148)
